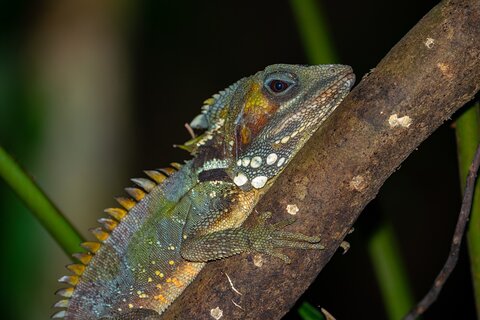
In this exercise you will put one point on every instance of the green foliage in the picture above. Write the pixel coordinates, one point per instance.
(45, 211)
(388, 267)
(309, 312)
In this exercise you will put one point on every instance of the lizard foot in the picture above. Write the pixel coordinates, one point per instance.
(268, 238)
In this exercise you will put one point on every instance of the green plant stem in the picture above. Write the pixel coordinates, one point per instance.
(389, 271)
(468, 137)
(45, 211)
(384, 255)
(314, 32)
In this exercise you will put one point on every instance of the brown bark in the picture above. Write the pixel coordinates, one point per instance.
(428, 75)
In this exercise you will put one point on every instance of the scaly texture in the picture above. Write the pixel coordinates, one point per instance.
(152, 249)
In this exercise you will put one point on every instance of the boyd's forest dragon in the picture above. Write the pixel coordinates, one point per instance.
(184, 216)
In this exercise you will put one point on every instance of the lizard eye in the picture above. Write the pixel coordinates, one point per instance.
(279, 83)
(278, 86)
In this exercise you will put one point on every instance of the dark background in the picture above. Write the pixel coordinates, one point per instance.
(150, 65)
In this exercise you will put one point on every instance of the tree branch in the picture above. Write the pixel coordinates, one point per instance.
(428, 75)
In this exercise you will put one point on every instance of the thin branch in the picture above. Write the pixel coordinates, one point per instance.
(49, 216)
(452, 259)
(467, 131)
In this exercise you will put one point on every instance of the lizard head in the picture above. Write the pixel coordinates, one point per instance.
(257, 125)
(275, 112)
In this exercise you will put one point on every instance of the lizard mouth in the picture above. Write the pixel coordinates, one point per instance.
(339, 88)
(328, 99)
(349, 79)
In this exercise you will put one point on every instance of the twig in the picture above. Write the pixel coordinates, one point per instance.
(452, 259)
(231, 285)
(467, 131)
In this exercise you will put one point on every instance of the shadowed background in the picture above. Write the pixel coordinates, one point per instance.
(93, 92)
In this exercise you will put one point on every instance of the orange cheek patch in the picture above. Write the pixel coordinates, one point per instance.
(245, 135)
(255, 114)
(257, 104)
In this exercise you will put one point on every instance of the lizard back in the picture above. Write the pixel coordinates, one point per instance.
(138, 266)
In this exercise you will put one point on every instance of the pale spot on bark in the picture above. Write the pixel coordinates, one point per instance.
(216, 313)
(445, 69)
(292, 209)
(258, 260)
(395, 121)
(358, 183)
(429, 43)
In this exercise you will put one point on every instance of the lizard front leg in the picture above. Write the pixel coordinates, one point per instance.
(262, 237)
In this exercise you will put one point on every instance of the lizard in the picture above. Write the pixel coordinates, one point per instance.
(180, 217)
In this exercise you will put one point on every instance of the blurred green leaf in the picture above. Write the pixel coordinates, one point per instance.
(314, 32)
(309, 312)
(391, 276)
(45, 211)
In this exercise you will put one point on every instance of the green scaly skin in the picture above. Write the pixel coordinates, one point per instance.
(150, 254)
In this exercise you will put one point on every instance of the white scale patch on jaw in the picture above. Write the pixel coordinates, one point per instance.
(271, 158)
(240, 179)
(259, 182)
(256, 168)
(256, 162)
